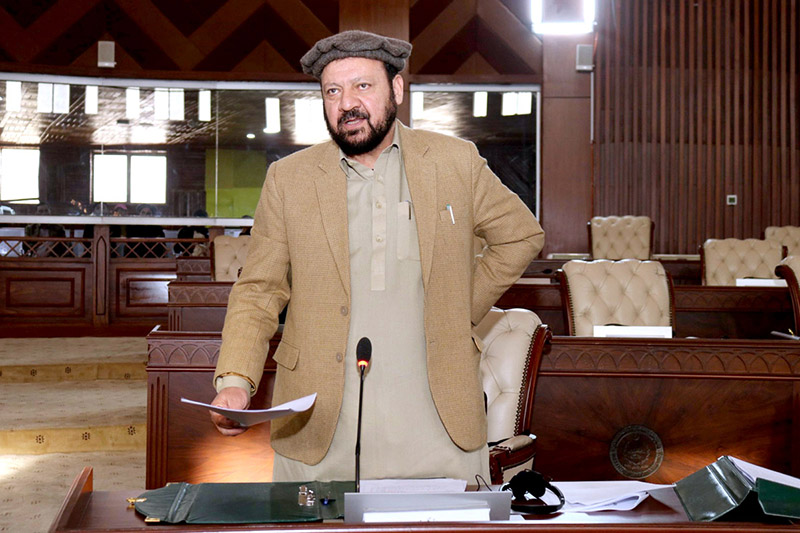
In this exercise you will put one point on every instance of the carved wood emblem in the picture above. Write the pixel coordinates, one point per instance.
(636, 452)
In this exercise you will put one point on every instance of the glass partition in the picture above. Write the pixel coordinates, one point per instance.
(100, 146)
(502, 121)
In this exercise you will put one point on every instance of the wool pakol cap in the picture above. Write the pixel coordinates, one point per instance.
(355, 43)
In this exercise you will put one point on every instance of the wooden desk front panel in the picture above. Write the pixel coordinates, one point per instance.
(701, 398)
(700, 311)
(182, 443)
(198, 306)
(544, 300)
(193, 268)
(732, 312)
(139, 289)
(46, 289)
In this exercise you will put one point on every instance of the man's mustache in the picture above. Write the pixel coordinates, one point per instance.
(353, 113)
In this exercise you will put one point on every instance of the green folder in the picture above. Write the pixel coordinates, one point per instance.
(722, 491)
(244, 503)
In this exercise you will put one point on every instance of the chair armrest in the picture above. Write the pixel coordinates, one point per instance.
(515, 443)
(511, 452)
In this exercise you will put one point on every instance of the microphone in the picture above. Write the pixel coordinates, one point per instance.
(363, 355)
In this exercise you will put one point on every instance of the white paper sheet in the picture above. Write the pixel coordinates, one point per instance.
(586, 497)
(756, 282)
(251, 417)
(755, 472)
(412, 486)
(664, 332)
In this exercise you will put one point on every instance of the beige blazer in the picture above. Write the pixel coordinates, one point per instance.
(301, 222)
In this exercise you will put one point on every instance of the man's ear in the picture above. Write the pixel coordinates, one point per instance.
(397, 85)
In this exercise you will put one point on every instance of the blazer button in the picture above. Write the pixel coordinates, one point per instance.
(339, 357)
(344, 310)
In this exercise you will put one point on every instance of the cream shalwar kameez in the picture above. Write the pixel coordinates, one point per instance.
(402, 435)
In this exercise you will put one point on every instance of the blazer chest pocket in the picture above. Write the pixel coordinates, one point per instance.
(286, 355)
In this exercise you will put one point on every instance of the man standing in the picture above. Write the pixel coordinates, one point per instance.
(372, 235)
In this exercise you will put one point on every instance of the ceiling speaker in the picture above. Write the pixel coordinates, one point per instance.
(583, 58)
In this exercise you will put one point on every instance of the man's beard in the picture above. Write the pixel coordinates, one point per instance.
(375, 134)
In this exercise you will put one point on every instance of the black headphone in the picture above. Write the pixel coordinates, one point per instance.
(533, 483)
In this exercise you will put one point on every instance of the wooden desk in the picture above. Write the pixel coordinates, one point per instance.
(608, 408)
(182, 444)
(200, 305)
(197, 305)
(700, 311)
(684, 271)
(85, 510)
(706, 312)
(193, 268)
(700, 398)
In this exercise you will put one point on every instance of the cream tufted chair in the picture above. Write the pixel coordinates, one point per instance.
(788, 236)
(789, 269)
(513, 341)
(229, 255)
(625, 237)
(628, 292)
(726, 260)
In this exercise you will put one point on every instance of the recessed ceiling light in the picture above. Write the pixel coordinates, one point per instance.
(251, 135)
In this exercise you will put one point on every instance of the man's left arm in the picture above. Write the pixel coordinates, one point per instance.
(513, 237)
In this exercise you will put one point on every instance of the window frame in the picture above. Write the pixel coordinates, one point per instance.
(129, 155)
(34, 178)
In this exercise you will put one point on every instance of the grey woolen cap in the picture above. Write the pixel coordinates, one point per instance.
(355, 43)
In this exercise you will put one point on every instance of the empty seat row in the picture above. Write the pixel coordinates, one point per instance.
(633, 292)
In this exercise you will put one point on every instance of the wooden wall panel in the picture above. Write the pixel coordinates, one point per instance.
(237, 39)
(695, 101)
(260, 39)
(139, 289)
(566, 173)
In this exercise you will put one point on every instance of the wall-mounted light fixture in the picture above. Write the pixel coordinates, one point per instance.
(562, 28)
(204, 105)
(272, 107)
(13, 95)
(480, 103)
(90, 104)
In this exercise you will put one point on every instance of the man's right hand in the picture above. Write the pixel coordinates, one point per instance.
(230, 398)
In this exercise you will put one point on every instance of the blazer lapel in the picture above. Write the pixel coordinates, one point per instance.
(331, 188)
(421, 176)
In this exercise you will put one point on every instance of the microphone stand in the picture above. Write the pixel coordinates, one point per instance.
(358, 435)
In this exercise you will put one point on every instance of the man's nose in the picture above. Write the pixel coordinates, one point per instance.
(349, 101)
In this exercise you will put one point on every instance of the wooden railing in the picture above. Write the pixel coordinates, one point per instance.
(75, 285)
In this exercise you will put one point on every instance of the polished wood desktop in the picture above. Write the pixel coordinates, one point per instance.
(88, 511)
(684, 270)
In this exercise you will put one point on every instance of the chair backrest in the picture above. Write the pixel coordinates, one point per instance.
(513, 340)
(629, 292)
(726, 260)
(625, 237)
(229, 255)
(789, 269)
(788, 236)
